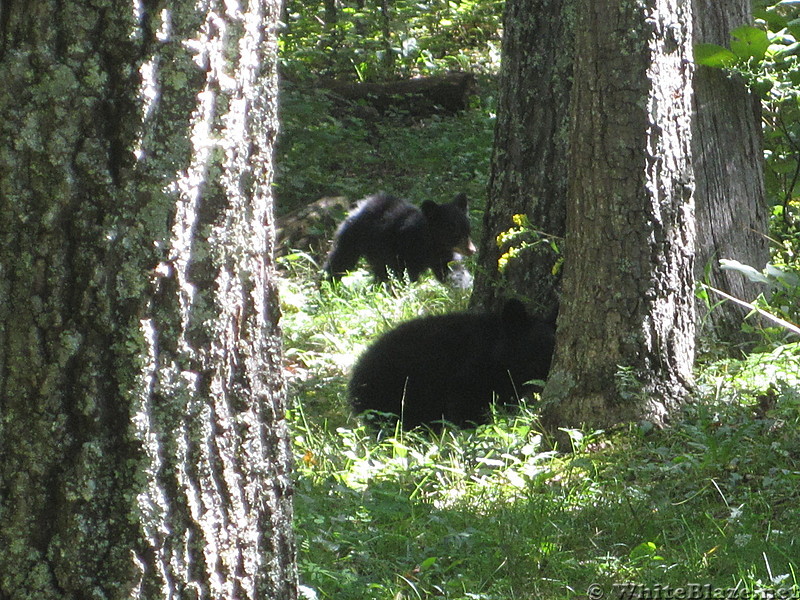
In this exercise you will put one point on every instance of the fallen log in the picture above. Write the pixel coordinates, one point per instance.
(310, 228)
(419, 97)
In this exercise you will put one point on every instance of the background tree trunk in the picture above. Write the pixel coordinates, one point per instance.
(143, 451)
(729, 172)
(625, 344)
(530, 155)
(387, 61)
(529, 162)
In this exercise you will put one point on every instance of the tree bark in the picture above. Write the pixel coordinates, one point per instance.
(728, 162)
(529, 161)
(530, 157)
(625, 344)
(143, 451)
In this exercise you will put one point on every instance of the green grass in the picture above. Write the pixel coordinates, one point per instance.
(326, 326)
(492, 513)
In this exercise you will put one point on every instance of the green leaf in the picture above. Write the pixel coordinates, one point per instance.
(789, 50)
(746, 270)
(712, 55)
(749, 42)
(774, 21)
(646, 550)
(427, 563)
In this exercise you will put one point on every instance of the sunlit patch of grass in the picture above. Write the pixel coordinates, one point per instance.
(328, 325)
(495, 512)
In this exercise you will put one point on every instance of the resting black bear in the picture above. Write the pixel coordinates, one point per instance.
(395, 236)
(452, 366)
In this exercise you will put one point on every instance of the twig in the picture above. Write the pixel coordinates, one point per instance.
(786, 324)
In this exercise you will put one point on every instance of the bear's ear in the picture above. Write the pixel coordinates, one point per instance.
(429, 208)
(515, 317)
(461, 201)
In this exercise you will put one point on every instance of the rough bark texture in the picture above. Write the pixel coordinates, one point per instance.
(529, 163)
(728, 163)
(143, 452)
(626, 326)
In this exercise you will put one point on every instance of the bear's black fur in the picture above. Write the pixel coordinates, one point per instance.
(452, 366)
(396, 236)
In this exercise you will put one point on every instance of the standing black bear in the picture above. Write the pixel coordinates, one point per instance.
(452, 366)
(395, 236)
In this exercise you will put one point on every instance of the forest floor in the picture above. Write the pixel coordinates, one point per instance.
(495, 513)
(707, 506)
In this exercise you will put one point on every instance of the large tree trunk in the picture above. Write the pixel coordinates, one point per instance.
(529, 163)
(143, 452)
(625, 343)
(728, 163)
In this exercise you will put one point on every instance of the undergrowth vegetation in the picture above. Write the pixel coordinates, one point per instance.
(325, 152)
(707, 506)
(497, 513)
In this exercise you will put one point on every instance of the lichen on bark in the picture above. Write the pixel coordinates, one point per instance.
(141, 400)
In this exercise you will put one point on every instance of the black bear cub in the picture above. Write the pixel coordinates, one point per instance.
(396, 236)
(450, 367)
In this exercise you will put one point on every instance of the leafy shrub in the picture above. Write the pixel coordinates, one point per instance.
(364, 41)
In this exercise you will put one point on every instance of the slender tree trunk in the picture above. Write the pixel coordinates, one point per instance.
(143, 451)
(728, 163)
(330, 41)
(386, 38)
(529, 163)
(625, 344)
